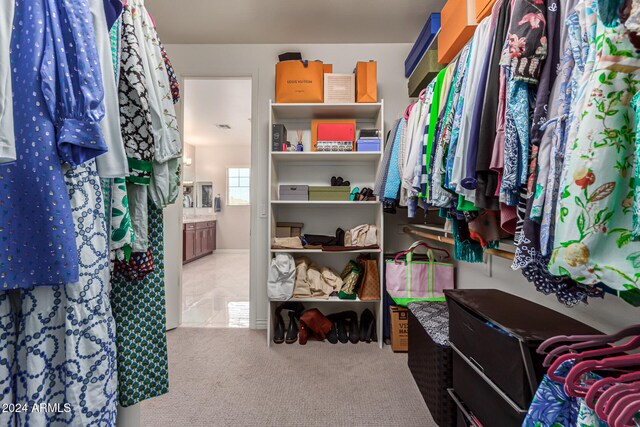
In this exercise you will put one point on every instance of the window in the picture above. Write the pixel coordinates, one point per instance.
(238, 180)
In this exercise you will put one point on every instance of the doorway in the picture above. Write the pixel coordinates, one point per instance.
(216, 202)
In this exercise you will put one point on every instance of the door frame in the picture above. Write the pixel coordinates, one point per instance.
(176, 307)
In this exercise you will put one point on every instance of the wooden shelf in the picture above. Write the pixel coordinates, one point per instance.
(327, 111)
(320, 251)
(326, 300)
(333, 157)
(326, 203)
(506, 254)
(312, 168)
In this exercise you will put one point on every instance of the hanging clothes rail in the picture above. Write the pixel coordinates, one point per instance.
(449, 241)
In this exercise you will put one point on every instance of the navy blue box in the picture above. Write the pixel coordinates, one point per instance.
(426, 37)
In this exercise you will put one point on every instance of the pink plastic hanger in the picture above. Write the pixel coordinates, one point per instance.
(615, 416)
(619, 402)
(608, 351)
(610, 396)
(417, 245)
(597, 389)
(407, 112)
(423, 95)
(582, 341)
(572, 384)
(627, 416)
(595, 392)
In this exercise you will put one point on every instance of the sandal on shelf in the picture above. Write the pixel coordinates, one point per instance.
(354, 194)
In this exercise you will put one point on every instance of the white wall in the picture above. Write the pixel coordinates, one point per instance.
(189, 172)
(258, 61)
(232, 229)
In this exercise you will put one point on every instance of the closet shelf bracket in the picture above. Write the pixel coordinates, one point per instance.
(449, 241)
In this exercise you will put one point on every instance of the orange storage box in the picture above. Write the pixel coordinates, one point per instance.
(483, 9)
(458, 25)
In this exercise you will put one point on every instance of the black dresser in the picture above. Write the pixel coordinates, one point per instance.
(496, 370)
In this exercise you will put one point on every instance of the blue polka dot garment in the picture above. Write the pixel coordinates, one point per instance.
(57, 98)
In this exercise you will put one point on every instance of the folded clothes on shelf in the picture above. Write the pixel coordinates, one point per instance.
(286, 243)
(314, 282)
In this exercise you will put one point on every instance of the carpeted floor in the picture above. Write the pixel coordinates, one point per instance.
(228, 377)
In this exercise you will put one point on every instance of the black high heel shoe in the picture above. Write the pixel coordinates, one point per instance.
(292, 332)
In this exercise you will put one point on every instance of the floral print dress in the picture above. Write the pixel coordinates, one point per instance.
(593, 238)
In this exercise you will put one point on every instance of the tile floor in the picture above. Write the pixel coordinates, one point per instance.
(215, 291)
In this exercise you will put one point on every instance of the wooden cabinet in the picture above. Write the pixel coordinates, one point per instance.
(458, 25)
(199, 239)
(189, 242)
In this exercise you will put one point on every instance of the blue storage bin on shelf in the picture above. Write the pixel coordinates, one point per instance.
(368, 145)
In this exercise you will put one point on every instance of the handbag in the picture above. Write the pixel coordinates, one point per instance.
(367, 81)
(408, 280)
(281, 278)
(369, 289)
(300, 82)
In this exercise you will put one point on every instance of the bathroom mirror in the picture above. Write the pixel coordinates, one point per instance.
(188, 196)
(204, 198)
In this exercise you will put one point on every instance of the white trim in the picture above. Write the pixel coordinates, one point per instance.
(231, 251)
(260, 324)
(255, 275)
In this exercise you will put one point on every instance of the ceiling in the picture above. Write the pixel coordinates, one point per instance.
(291, 21)
(210, 102)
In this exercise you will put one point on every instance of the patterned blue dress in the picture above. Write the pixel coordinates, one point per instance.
(57, 96)
(57, 343)
(552, 407)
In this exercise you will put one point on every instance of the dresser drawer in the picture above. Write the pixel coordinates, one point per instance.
(493, 351)
(205, 224)
(486, 404)
(499, 333)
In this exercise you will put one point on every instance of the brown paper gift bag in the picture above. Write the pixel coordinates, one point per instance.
(367, 81)
(299, 82)
(370, 287)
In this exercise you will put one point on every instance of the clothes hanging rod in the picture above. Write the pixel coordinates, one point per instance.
(429, 236)
(449, 241)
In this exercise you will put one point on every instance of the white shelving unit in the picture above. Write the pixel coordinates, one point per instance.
(324, 217)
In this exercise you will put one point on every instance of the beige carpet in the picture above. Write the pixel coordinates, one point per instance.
(228, 377)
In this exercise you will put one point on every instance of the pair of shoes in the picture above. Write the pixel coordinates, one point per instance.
(339, 182)
(365, 194)
(292, 331)
(295, 309)
(345, 328)
(368, 327)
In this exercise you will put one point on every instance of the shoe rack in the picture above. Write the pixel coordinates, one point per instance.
(324, 217)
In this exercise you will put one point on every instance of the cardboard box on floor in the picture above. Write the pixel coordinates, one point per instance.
(399, 329)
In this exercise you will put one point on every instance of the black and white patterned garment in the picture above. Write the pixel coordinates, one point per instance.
(58, 343)
(434, 318)
(135, 113)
